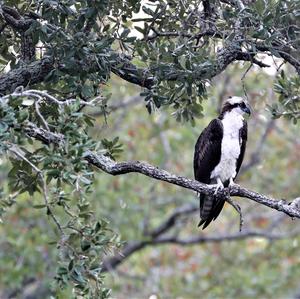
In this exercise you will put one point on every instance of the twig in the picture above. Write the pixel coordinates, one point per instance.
(19, 154)
(37, 109)
(43, 95)
(238, 209)
(49, 210)
(208, 32)
(243, 79)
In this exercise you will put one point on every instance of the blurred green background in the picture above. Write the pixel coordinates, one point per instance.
(251, 266)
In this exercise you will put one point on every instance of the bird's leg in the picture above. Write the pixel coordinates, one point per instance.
(219, 186)
(231, 183)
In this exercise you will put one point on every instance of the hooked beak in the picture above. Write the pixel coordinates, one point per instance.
(247, 109)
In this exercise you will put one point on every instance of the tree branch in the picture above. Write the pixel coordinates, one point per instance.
(284, 51)
(158, 237)
(131, 73)
(109, 166)
(20, 24)
(171, 220)
(26, 75)
(208, 32)
(14, 19)
(134, 246)
(125, 69)
(37, 71)
(224, 57)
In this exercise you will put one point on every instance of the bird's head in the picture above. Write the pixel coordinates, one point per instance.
(238, 105)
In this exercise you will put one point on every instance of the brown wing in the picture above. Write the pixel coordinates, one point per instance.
(207, 156)
(208, 151)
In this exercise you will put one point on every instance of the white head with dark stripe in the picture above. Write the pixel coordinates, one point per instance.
(236, 105)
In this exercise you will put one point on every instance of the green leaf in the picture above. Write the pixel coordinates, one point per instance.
(85, 245)
(62, 271)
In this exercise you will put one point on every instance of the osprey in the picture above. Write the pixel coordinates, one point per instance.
(219, 153)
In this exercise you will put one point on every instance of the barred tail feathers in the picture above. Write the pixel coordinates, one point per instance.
(210, 208)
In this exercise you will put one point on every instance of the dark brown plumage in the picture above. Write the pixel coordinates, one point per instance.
(208, 153)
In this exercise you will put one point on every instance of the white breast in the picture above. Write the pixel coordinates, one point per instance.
(231, 147)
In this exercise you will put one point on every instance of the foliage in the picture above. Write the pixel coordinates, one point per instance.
(251, 268)
(288, 89)
(82, 237)
(64, 54)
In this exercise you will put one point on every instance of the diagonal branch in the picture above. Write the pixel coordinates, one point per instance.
(171, 220)
(134, 246)
(109, 166)
(117, 168)
(158, 236)
(284, 51)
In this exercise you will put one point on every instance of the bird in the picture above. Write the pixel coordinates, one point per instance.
(219, 153)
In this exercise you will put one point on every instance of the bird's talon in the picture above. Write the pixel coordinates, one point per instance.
(219, 185)
(226, 191)
(216, 191)
(232, 184)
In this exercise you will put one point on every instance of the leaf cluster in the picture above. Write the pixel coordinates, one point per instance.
(288, 89)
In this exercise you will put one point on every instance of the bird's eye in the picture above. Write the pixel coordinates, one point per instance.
(243, 105)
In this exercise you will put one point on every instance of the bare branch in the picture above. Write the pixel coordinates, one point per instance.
(282, 49)
(208, 32)
(134, 246)
(40, 95)
(158, 236)
(115, 168)
(171, 220)
(217, 239)
(43, 135)
(109, 166)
